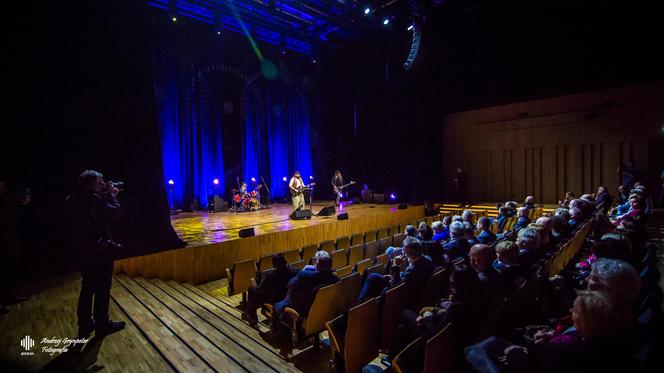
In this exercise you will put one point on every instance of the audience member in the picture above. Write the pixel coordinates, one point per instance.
(272, 287)
(300, 294)
(528, 242)
(523, 219)
(507, 262)
(486, 236)
(441, 232)
(458, 247)
(481, 258)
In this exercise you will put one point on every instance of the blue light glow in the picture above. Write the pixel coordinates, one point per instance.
(367, 11)
(386, 21)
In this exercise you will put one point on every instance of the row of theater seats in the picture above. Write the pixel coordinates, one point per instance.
(358, 252)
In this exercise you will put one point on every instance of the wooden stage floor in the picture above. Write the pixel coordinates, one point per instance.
(213, 243)
(198, 228)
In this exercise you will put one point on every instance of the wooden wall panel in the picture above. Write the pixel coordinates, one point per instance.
(547, 147)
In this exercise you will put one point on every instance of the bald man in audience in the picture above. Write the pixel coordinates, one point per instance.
(481, 258)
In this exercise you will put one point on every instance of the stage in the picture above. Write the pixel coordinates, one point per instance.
(213, 242)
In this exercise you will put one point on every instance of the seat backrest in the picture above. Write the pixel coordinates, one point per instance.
(398, 363)
(292, 255)
(429, 220)
(323, 308)
(343, 271)
(397, 239)
(357, 239)
(439, 351)
(362, 265)
(265, 263)
(343, 243)
(350, 291)
(382, 233)
(243, 272)
(369, 236)
(394, 301)
(431, 291)
(394, 230)
(355, 254)
(328, 246)
(378, 268)
(263, 274)
(308, 252)
(361, 341)
(382, 258)
(297, 265)
(384, 243)
(339, 259)
(371, 249)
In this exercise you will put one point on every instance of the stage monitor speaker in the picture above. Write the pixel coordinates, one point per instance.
(378, 198)
(220, 205)
(342, 216)
(403, 206)
(366, 195)
(327, 211)
(247, 232)
(301, 215)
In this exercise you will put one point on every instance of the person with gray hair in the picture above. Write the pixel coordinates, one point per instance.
(576, 215)
(528, 241)
(617, 276)
(440, 233)
(458, 247)
(563, 213)
(392, 251)
(319, 254)
(467, 216)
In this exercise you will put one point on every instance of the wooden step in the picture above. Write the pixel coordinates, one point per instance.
(239, 333)
(171, 314)
(179, 354)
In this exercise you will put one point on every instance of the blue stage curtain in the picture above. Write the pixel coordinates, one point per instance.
(251, 149)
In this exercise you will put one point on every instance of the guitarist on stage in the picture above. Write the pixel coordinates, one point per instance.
(296, 185)
(338, 185)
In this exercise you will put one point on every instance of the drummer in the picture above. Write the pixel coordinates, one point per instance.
(243, 189)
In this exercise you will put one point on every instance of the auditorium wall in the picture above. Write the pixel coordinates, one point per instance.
(548, 146)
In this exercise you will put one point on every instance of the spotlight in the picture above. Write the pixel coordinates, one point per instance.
(218, 32)
(284, 178)
(215, 181)
(253, 179)
(174, 19)
(411, 27)
(171, 182)
(314, 60)
(386, 21)
(311, 177)
(393, 196)
(367, 11)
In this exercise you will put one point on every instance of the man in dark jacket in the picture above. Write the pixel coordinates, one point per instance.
(523, 219)
(90, 209)
(486, 236)
(300, 294)
(491, 280)
(272, 287)
(458, 245)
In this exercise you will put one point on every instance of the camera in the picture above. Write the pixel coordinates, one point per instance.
(119, 185)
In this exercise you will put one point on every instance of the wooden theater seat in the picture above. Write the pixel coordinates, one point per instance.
(432, 291)
(378, 268)
(357, 239)
(370, 236)
(308, 252)
(292, 255)
(395, 230)
(339, 259)
(383, 244)
(350, 291)
(297, 265)
(382, 233)
(240, 275)
(382, 259)
(362, 265)
(355, 254)
(265, 263)
(328, 246)
(397, 239)
(358, 345)
(343, 243)
(323, 309)
(343, 271)
(394, 301)
(371, 250)
(439, 351)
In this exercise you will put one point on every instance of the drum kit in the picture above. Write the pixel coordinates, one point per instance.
(246, 201)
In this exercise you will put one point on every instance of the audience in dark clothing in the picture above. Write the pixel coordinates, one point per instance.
(301, 287)
(486, 236)
(458, 247)
(416, 275)
(491, 280)
(522, 220)
(272, 287)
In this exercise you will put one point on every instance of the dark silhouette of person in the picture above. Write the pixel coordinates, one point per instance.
(90, 208)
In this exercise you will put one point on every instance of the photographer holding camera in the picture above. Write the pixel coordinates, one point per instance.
(90, 209)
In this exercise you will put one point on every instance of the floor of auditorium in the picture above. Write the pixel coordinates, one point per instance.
(170, 327)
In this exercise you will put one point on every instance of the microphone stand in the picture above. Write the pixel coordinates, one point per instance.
(269, 193)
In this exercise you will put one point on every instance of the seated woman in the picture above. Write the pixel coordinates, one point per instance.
(596, 342)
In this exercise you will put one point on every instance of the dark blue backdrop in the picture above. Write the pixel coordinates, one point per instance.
(221, 118)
